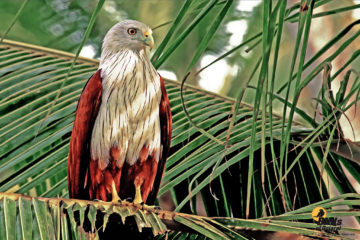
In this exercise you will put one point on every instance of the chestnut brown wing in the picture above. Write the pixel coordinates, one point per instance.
(79, 152)
(165, 131)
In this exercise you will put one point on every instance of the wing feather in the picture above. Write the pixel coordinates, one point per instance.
(165, 131)
(79, 152)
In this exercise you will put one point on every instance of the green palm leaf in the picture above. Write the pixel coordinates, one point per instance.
(270, 165)
(59, 218)
(34, 154)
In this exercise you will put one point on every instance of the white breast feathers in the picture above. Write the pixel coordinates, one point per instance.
(128, 117)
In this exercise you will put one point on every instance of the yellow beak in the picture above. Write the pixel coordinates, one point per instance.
(149, 40)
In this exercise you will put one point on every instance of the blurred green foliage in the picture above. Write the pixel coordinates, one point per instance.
(60, 24)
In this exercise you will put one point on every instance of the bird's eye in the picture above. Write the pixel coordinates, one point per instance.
(131, 31)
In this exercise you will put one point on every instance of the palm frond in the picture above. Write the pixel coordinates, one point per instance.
(34, 155)
(61, 218)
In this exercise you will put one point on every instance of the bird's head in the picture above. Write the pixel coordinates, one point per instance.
(128, 34)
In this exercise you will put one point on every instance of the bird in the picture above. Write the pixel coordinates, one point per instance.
(122, 130)
(320, 214)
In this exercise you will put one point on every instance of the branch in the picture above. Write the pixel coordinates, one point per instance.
(93, 217)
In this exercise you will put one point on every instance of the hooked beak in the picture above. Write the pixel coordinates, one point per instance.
(148, 39)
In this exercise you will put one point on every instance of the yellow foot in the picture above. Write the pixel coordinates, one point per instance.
(115, 197)
(138, 198)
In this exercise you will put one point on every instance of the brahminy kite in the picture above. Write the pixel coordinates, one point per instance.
(122, 130)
